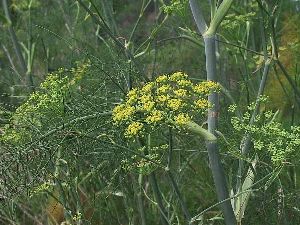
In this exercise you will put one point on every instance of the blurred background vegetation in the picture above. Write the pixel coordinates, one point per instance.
(65, 64)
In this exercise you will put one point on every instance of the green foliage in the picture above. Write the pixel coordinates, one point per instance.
(233, 21)
(61, 146)
(176, 6)
(25, 4)
(45, 103)
(145, 165)
(268, 135)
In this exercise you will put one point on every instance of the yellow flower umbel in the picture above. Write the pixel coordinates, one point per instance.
(132, 96)
(161, 79)
(175, 104)
(133, 129)
(182, 119)
(178, 76)
(122, 113)
(171, 100)
(181, 93)
(201, 104)
(206, 87)
(154, 117)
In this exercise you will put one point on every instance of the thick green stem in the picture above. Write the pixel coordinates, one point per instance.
(212, 147)
(198, 16)
(211, 68)
(218, 17)
(196, 129)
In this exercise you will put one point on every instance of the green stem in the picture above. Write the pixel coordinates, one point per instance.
(14, 38)
(180, 198)
(107, 6)
(218, 17)
(198, 16)
(246, 141)
(138, 191)
(173, 182)
(143, 8)
(196, 129)
(211, 68)
(158, 198)
(212, 147)
(154, 185)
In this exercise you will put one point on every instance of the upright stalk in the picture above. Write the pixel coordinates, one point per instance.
(209, 35)
(14, 38)
(212, 147)
(137, 186)
(154, 185)
(173, 181)
(158, 198)
(246, 141)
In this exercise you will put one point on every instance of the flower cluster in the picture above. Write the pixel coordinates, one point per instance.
(268, 135)
(176, 6)
(40, 189)
(170, 99)
(45, 103)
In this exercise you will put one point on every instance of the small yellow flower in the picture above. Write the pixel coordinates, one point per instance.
(162, 98)
(154, 117)
(163, 89)
(148, 106)
(122, 112)
(133, 129)
(182, 119)
(145, 98)
(178, 76)
(147, 88)
(184, 83)
(180, 93)
(132, 96)
(175, 104)
(201, 104)
(161, 79)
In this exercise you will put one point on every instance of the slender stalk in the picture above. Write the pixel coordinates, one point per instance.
(156, 190)
(31, 51)
(142, 11)
(246, 141)
(291, 82)
(138, 191)
(180, 198)
(276, 57)
(101, 22)
(10, 60)
(158, 197)
(173, 182)
(107, 6)
(14, 38)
